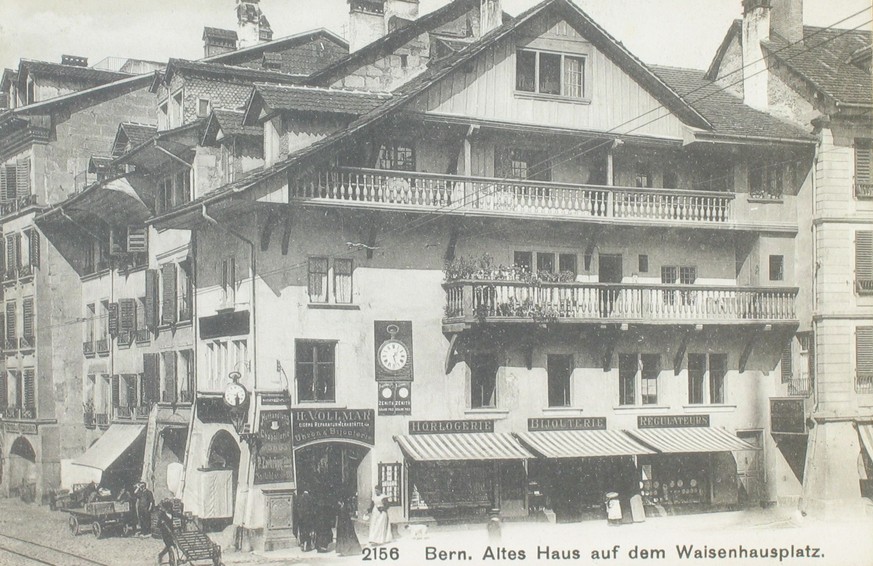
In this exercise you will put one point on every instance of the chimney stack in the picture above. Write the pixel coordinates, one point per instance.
(490, 16)
(249, 19)
(756, 28)
(217, 41)
(786, 19)
(371, 19)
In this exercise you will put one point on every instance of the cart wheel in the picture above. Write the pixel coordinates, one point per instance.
(96, 529)
(74, 525)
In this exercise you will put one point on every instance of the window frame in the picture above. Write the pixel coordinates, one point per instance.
(315, 344)
(776, 271)
(563, 383)
(584, 74)
(863, 243)
(491, 380)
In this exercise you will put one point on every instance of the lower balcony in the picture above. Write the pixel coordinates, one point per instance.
(12, 206)
(473, 302)
(27, 343)
(19, 413)
(800, 387)
(88, 348)
(864, 382)
(102, 419)
(131, 413)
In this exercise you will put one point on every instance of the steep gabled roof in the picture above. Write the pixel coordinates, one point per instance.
(85, 74)
(735, 31)
(131, 134)
(824, 61)
(227, 34)
(230, 122)
(255, 51)
(292, 98)
(96, 93)
(228, 73)
(726, 112)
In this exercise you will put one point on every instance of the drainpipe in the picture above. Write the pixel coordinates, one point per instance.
(253, 326)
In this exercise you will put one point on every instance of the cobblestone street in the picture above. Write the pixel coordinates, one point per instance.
(838, 543)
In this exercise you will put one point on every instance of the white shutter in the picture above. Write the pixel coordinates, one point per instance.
(137, 239)
(22, 177)
(863, 159)
(864, 260)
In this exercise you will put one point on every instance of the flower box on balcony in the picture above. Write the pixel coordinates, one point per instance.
(88, 348)
(89, 420)
(142, 411)
(125, 338)
(143, 335)
(123, 413)
(102, 346)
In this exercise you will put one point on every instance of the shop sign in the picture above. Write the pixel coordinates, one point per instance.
(27, 428)
(310, 425)
(234, 323)
(672, 421)
(274, 399)
(450, 427)
(567, 423)
(787, 416)
(274, 462)
(212, 410)
(395, 398)
(392, 340)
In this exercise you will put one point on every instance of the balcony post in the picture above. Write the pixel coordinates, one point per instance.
(467, 311)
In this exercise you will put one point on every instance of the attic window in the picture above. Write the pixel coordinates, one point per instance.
(554, 74)
(404, 61)
(203, 107)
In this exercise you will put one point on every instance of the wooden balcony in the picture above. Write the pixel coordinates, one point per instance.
(472, 302)
(800, 387)
(864, 190)
(403, 190)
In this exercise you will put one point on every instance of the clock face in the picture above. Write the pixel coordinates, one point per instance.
(235, 395)
(393, 356)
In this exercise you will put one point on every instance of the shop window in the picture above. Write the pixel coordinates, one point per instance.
(390, 480)
(560, 369)
(315, 370)
(696, 375)
(553, 74)
(483, 381)
(765, 181)
(864, 262)
(777, 268)
(396, 156)
(864, 359)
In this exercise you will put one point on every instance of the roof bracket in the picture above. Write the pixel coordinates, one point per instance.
(286, 234)
(452, 354)
(750, 344)
(453, 240)
(680, 351)
(267, 231)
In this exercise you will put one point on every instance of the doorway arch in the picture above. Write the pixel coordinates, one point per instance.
(22, 467)
(329, 469)
(224, 454)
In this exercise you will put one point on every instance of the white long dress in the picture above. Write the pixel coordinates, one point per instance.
(380, 526)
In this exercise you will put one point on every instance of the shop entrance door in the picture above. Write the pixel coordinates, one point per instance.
(750, 466)
(329, 470)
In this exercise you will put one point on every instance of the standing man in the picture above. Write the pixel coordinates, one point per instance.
(145, 502)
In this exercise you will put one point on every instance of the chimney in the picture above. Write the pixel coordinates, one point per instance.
(406, 9)
(74, 60)
(249, 17)
(217, 41)
(266, 32)
(756, 28)
(490, 16)
(786, 19)
(366, 22)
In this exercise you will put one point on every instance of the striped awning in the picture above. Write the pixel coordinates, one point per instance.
(692, 439)
(455, 447)
(865, 431)
(582, 443)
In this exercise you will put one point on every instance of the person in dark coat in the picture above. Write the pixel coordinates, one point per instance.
(304, 525)
(165, 528)
(324, 523)
(347, 543)
(145, 502)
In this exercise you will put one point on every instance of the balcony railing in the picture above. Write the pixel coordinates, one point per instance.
(25, 272)
(102, 346)
(864, 286)
(186, 396)
(473, 301)
(14, 205)
(136, 412)
(102, 419)
(864, 190)
(142, 411)
(89, 420)
(800, 386)
(864, 382)
(125, 338)
(424, 191)
(88, 348)
(143, 335)
(20, 413)
(11, 274)
(10, 344)
(27, 343)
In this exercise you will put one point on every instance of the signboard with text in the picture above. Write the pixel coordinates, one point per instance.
(567, 423)
(395, 398)
(310, 425)
(274, 462)
(787, 416)
(450, 427)
(672, 421)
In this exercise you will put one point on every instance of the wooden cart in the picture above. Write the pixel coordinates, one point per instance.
(192, 546)
(101, 517)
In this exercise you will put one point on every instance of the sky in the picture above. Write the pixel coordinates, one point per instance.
(682, 33)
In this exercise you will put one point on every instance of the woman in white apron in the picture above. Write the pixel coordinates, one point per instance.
(380, 526)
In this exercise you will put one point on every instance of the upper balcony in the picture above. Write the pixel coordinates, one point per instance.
(19, 204)
(471, 302)
(402, 190)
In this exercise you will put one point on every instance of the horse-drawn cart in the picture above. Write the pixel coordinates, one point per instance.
(101, 517)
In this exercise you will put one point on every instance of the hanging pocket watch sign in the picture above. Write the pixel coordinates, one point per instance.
(393, 350)
(395, 398)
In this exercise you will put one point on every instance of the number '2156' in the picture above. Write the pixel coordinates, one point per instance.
(381, 554)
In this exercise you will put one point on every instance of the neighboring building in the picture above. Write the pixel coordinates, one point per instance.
(496, 263)
(820, 79)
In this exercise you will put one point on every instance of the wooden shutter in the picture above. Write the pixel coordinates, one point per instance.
(113, 319)
(127, 315)
(787, 369)
(9, 192)
(863, 159)
(151, 388)
(170, 376)
(4, 389)
(117, 241)
(2, 254)
(864, 349)
(10, 252)
(10, 321)
(17, 239)
(2, 330)
(27, 317)
(33, 241)
(137, 239)
(29, 388)
(864, 255)
(115, 387)
(3, 183)
(151, 298)
(22, 177)
(169, 302)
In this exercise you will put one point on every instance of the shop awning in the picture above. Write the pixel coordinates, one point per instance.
(865, 431)
(110, 446)
(582, 443)
(454, 447)
(692, 439)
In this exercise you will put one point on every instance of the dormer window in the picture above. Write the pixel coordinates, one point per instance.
(553, 74)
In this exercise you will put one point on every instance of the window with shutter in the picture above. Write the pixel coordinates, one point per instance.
(185, 284)
(22, 178)
(126, 315)
(2, 254)
(864, 261)
(10, 322)
(151, 298)
(4, 390)
(113, 319)
(11, 261)
(151, 379)
(787, 369)
(29, 389)
(27, 317)
(116, 391)
(17, 248)
(2, 330)
(863, 168)
(10, 193)
(33, 243)
(2, 183)
(168, 299)
(864, 359)
(168, 395)
(137, 239)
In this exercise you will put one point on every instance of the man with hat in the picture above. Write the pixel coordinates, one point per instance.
(145, 502)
